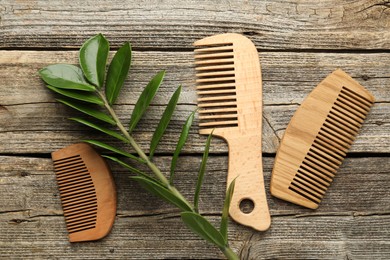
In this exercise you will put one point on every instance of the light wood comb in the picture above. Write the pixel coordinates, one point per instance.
(87, 192)
(230, 104)
(318, 138)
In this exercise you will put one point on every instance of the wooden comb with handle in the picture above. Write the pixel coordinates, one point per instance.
(230, 106)
(87, 192)
(318, 138)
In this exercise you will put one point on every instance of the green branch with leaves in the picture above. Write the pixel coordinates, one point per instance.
(91, 91)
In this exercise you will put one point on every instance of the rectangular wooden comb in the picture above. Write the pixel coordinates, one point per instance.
(87, 192)
(318, 138)
(230, 106)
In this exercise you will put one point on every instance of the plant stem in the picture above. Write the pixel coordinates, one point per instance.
(141, 153)
(229, 253)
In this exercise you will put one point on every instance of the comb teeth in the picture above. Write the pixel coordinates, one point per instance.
(77, 193)
(317, 139)
(216, 86)
(329, 148)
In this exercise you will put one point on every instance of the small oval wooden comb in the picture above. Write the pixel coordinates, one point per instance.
(87, 192)
(318, 138)
(230, 104)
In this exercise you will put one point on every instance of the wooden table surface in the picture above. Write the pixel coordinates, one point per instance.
(299, 43)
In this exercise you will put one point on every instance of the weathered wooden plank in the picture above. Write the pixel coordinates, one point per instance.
(162, 237)
(287, 78)
(24, 130)
(343, 237)
(296, 24)
(351, 222)
(360, 188)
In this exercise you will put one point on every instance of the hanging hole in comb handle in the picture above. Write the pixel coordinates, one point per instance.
(247, 206)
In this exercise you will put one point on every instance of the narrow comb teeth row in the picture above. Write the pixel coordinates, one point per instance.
(216, 86)
(78, 196)
(215, 55)
(212, 98)
(217, 48)
(216, 92)
(214, 62)
(355, 96)
(226, 78)
(215, 67)
(215, 73)
(330, 146)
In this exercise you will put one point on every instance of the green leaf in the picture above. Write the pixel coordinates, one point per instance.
(65, 76)
(225, 212)
(131, 168)
(101, 129)
(201, 226)
(202, 170)
(162, 192)
(117, 72)
(145, 98)
(164, 121)
(182, 140)
(89, 111)
(79, 95)
(113, 149)
(93, 59)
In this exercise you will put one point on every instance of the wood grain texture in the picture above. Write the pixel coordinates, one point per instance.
(299, 42)
(81, 171)
(318, 138)
(31, 218)
(161, 25)
(24, 98)
(243, 132)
